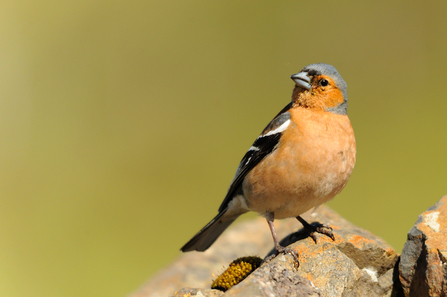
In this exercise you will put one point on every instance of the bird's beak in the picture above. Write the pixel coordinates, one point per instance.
(302, 80)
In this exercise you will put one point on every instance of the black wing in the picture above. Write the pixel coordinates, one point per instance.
(263, 145)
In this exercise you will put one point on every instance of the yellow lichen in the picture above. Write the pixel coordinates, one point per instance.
(237, 271)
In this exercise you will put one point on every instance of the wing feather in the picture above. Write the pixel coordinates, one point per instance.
(263, 146)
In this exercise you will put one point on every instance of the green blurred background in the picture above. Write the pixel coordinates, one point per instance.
(122, 123)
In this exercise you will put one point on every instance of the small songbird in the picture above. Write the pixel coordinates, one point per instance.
(303, 158)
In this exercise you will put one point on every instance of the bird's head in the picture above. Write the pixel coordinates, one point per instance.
(320, 86)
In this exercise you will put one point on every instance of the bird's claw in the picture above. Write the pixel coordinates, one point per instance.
(320, 228)
(284, 250)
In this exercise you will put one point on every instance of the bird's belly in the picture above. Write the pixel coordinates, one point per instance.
(294, 179)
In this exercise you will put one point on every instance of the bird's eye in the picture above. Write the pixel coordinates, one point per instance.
(323, 82)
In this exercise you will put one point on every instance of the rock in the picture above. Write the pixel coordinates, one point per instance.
(357, 263)
(422, 268)
(277, 278)
(191, 292)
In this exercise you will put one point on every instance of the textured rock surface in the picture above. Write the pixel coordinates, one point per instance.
(277, 278)
(423, 268)
(357, 263)
(191, 292)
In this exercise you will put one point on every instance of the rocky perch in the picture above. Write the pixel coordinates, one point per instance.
(357, 263)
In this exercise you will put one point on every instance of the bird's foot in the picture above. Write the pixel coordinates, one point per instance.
(284, 250)
(316, 228)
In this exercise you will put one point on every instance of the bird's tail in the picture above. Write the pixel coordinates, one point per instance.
(208, 235)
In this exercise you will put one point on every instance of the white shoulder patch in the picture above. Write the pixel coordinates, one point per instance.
(278, 130)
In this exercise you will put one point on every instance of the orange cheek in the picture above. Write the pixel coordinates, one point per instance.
(333, 98)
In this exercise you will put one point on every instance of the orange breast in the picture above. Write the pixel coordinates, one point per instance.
(311, 165)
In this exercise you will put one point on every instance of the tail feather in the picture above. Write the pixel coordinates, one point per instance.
(208, 235)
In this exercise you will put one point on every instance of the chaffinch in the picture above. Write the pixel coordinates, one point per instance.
(303, 158)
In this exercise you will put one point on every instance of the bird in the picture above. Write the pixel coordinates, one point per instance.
(302, 159)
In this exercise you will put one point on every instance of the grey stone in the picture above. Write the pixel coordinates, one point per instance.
(422, 268)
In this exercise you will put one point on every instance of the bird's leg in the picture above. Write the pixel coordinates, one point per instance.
(279, 249)
(318, 228)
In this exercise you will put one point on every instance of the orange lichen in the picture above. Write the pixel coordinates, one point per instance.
(359, 241)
